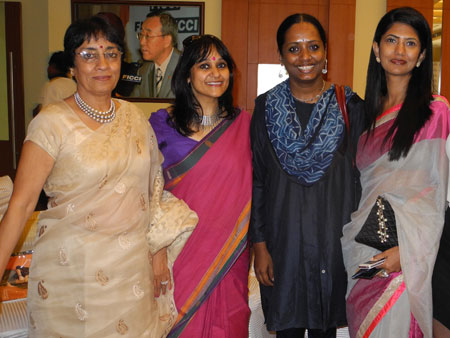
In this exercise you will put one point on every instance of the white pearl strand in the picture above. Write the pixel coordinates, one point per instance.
(99, 116)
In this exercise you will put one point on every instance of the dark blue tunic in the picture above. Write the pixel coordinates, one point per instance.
(302, 226)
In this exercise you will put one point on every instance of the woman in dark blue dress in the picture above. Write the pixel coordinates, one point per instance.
(304, 187)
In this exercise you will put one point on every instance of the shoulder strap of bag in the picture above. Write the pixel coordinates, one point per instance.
(340, 97)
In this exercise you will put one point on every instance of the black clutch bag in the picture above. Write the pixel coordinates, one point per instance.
(379, 230)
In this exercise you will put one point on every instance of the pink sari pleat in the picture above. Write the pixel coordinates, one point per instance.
(214, 262)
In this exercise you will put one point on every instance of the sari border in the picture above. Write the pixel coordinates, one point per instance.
(178, 170)
(230, 252)
(440, 98)
(382, 306)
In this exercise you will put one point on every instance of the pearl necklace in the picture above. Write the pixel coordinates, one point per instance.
(99, 116)
(315, 98)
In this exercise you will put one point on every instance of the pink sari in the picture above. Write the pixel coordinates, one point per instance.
(416, 187)
(211, 272)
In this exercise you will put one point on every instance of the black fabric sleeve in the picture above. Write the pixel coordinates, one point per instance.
(358, 120)
(357, 117)
(257, 137)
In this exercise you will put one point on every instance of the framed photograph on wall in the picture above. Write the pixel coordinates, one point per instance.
(139, 69)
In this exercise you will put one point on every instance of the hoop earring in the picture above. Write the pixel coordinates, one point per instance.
(378, 59)
(325, 69)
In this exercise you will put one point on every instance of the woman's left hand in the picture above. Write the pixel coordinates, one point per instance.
(161, 273)
(392, 263)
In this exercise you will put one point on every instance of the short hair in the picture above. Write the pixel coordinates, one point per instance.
(297, 18)
(114, 21)
(86, 29)
(60, 64)
(184, 110)
(415, 110)
(169, 25)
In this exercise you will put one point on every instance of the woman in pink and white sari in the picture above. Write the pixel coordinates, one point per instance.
(206, 145)
(401, 158)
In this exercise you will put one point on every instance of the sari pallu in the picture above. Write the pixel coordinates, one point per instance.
(415, 186)
(215, 180)
(90, 274)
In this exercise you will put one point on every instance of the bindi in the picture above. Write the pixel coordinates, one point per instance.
(101, 46)
(213, 58)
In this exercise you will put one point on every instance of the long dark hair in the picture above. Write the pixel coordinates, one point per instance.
(186, 107)
(415, 110)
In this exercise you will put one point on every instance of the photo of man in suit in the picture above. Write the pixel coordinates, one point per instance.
(158, 41)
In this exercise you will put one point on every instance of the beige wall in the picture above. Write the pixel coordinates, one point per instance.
(35, 50)
(368, 13)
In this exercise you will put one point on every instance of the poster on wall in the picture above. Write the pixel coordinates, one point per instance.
(146, 27)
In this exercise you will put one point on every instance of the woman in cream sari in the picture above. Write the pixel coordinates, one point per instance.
(107, 218)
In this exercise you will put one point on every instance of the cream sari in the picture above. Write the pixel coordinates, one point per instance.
(91, 273)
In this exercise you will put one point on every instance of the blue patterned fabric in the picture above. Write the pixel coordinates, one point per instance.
(304, 155)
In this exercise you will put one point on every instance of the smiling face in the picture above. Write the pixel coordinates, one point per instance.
(99, 77)
(210, 78)
(399, 50)
(303, 53)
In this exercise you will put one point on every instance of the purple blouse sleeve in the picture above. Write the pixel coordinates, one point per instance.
(172, 144)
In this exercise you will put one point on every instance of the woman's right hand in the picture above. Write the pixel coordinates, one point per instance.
(263, 264)
(161, 280)
(392, 263)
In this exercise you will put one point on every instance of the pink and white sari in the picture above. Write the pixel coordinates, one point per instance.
(415, 186)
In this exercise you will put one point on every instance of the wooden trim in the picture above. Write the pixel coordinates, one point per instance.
(249, 31)
(341, 41)
(234, 35)
(13, 21)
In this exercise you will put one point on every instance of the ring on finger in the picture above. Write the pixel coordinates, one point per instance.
(164, 283)
(384, 274)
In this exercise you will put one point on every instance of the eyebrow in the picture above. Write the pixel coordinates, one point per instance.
(209, 60)
(107, 48)
(399, 37)
(308, 41)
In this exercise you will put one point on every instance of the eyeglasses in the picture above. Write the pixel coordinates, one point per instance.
(192, 38)
(141, 35)
(92, 55)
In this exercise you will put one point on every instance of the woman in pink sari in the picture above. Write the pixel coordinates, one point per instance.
(205, 142)
(402, 159)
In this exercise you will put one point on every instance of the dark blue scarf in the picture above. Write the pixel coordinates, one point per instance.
(304, 155)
